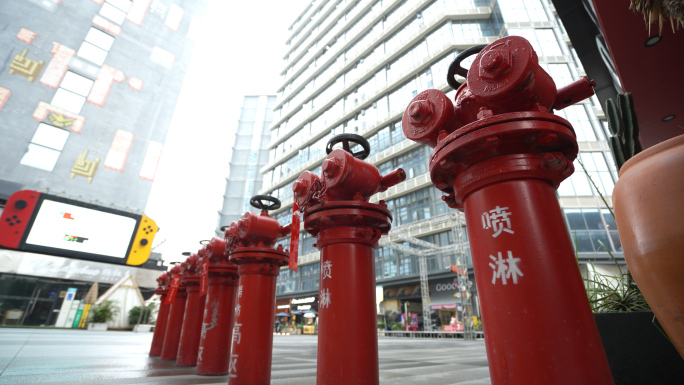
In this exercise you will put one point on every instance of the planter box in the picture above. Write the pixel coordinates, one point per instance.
(143, 328)
(98, 327)
(637, 352)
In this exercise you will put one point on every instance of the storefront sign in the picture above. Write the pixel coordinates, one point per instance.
(444, 294)
(303, 307)
(42, 265)
(446, 286)
(304, 300)
(283, 306)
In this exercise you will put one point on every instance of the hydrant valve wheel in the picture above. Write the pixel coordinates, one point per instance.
(257, 201)
(455, 67)
(345, 139)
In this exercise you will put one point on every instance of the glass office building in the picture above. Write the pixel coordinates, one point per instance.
(250, 152)
(353, 67)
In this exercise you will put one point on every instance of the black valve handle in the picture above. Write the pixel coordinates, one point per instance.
(257, 201)
(455, 66)
(345, 139)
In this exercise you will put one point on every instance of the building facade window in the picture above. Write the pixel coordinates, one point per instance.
(359, 78)
(592, 230)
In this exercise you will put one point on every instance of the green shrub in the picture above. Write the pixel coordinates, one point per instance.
(134, 314)
(105, 312)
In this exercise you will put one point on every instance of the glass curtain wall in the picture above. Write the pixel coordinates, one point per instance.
(360, 81)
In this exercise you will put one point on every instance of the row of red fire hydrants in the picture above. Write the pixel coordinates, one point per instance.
(218, 306)
(223, 295)
(499, 155)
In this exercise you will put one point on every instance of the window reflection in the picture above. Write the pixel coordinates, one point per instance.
(522, 10)
(592, 230)
(579, 184)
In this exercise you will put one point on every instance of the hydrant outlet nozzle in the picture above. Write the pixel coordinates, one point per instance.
(392, 179)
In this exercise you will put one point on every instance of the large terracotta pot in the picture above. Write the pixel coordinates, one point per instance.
(649, 210)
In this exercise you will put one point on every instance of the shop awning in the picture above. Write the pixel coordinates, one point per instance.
(444, 303)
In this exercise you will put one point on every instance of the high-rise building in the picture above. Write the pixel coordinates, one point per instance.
(87, 93)
(250, 154)
(353, 67)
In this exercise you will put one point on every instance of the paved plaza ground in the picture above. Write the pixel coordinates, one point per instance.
(74, 357)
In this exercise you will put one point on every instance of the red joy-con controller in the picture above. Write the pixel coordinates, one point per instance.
(16, 216)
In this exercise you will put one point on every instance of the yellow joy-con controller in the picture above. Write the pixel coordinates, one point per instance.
(142, 243)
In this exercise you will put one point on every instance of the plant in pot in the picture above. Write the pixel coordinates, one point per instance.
(141, 314)
(637, 349)
(102, 314)
(141, 317)
(649, 208)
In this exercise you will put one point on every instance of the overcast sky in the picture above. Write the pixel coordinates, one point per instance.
(239, 54)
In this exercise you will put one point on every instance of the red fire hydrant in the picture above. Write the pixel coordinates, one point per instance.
(219, 311)
(194, 312)
(162, 315)
(348, 227)
(250, 243)
(499, 155)
(178, 294)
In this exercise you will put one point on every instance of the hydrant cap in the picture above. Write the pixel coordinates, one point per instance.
(502, 68)
(304, 183)
(245, 224)
(339, 162)
(216, 247)
(428, 112)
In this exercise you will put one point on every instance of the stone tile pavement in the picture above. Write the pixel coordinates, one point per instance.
(75, 357)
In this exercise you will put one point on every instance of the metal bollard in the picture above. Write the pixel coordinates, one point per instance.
(194, 312)
(347, 227)
(162, 315)
(219, 312)
(250, 244)
(499, 155)
(175, 321)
